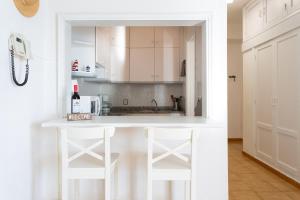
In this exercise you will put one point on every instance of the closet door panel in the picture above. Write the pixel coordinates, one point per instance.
(253, 19)
(275, 10)
(248, 102)
(264, 97)
(288, 105)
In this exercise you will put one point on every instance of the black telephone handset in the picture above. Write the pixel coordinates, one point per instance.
(19, 46)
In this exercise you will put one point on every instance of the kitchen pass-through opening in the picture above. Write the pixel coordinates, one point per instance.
(137, 67)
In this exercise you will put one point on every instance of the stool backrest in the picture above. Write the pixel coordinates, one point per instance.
(72, 137)
(156, 135)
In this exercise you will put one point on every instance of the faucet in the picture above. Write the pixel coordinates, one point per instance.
(156, 107)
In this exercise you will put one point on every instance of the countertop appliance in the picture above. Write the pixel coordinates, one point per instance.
(90, 104)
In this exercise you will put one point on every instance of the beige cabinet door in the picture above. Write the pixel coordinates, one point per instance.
(167, 36)
(120, 36)
(167, 64)
(141, 37)
(275, 10)
(103, 46)
(120, 64)
(253, 19)
(265, 103)
(142, 64)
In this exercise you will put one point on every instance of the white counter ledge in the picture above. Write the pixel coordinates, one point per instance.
(137, 121)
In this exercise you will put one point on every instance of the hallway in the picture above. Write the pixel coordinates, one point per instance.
(250, 181)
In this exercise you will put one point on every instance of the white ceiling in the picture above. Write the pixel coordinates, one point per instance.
(235, 11)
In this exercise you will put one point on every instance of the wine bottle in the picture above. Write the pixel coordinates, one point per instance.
(75, 100)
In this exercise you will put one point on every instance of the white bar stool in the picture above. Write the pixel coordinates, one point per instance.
(86, 163)
(172, 165)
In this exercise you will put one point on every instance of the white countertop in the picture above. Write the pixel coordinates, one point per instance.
(137, 121)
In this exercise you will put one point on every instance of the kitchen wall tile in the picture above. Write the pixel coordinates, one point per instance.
(137, 94)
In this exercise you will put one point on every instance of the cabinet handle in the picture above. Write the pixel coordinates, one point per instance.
(292, 3)
(285, 6)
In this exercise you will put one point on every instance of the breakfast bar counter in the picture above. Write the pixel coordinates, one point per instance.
(137, 121)
(131, 143)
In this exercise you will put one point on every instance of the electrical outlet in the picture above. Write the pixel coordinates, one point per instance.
(125, 102)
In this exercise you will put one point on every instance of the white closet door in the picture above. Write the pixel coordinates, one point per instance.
(288, 102)
(264, 103)
(248, 102)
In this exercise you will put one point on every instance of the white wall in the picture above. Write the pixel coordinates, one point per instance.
(234, 31)
(235, 89)
(27, 152)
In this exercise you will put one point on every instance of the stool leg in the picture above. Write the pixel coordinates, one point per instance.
(64, 166)
(149, 166)
(116, 183)
(76, 189)
(64, 189)
(149, 189)
(187, 190)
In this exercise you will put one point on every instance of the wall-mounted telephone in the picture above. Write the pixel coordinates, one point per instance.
(18, 45)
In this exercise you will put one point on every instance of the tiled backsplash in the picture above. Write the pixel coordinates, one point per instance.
(137, 94)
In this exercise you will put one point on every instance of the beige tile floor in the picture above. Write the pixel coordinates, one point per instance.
(250, 181)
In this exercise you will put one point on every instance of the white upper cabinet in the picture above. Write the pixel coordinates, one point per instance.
(167, 37)
(167, 64)
(294, 5)
(142, 37)
(275, 10)
(253, 19)
(260, 15)
(142, 64)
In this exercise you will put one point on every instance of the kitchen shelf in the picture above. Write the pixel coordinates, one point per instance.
(82, 74)
(97, 80)
(102, 80)
(83, 43)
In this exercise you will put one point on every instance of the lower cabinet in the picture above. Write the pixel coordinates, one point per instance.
(272, 103)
